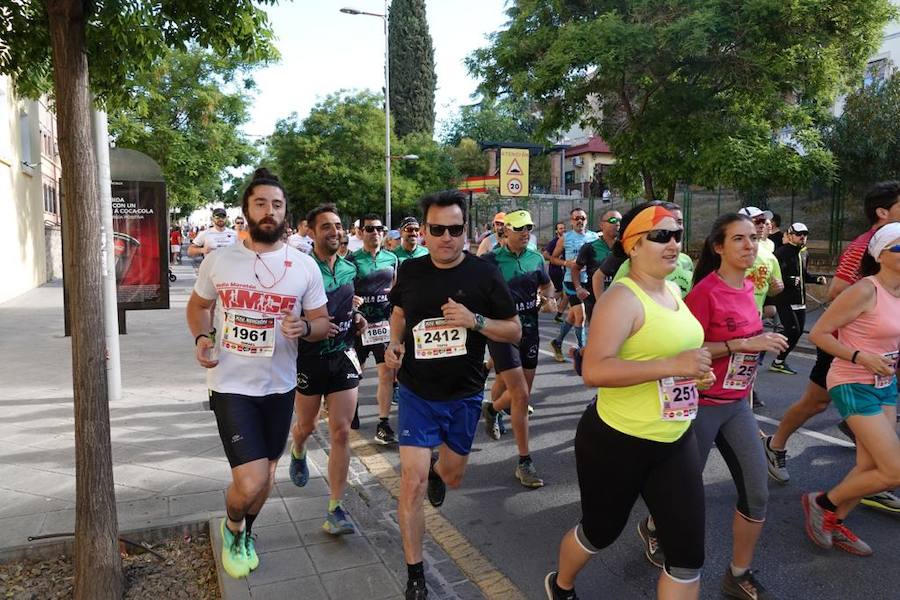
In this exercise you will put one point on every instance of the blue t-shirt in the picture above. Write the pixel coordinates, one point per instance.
(573, 242)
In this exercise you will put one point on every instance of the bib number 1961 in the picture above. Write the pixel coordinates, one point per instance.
(248, 335)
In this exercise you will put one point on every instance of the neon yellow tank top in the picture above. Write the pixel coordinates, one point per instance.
(635, 410)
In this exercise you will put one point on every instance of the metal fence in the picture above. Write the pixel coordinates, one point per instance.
(832, 218)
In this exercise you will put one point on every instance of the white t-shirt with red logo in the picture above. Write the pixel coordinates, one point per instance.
(255, 359)
(214, 239)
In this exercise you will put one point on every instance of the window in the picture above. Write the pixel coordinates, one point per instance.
(876, 72)
(25, 154)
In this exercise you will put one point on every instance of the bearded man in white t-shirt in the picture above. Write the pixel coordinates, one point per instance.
(259, 288)
(218, 236)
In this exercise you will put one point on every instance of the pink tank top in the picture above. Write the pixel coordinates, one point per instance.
(876, 331)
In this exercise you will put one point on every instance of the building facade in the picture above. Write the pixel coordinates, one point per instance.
(30, 201)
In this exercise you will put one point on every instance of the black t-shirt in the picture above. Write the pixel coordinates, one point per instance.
(420, 291)
(610, 266)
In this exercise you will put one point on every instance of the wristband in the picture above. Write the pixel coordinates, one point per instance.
(308, 328)
(727, 347)
(853, 358)
(209, 335)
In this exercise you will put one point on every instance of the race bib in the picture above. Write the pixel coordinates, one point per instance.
(741, 371)
(248, 334)
(882, 382)
(678, 398)
(377, 333)
(351, 354)
(434, 338)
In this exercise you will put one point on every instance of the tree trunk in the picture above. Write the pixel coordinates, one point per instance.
(98, 568)
(670, 193)
(649, 193)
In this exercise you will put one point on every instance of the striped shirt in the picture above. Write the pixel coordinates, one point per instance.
(848, 264)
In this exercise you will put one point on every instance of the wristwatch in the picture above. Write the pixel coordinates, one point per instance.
(480, 322)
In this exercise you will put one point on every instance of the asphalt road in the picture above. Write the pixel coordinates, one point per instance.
(519, 530)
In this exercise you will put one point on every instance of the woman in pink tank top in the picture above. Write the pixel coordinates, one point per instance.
(862, 384)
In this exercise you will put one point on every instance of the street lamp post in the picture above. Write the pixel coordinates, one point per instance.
(387, 107)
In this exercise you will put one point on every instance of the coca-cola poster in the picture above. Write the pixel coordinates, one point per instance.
(139, 243)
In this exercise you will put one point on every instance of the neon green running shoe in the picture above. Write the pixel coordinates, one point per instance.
(250, 551)
(234, 552)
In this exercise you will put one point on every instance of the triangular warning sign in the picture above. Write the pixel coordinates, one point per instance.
(514, 168)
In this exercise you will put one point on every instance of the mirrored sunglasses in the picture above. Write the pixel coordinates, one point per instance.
(662, 236)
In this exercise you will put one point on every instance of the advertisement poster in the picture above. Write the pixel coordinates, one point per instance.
(140, 243)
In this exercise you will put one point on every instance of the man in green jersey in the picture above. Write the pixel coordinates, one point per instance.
(329, 369)
(376, 272)
(592, 255)
(524, 272)
(409, 240)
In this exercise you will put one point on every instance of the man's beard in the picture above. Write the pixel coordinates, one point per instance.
(265, 236)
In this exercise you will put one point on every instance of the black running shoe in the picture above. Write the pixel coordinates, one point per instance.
(416, 590)
(554, 592)
(437, 489)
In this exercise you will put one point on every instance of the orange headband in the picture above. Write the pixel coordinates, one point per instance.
(643, 222)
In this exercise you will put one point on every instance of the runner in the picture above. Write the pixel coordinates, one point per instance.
(683, 274)
(409, 244)
(343, 249)
(392, 240)
(376, 271)
(329, 369)
(261, 286)
(646, 346)
(218, 236)
(492, 239)
(515, 364)
(556, 271)
(722, 300)
(881, 206)
(446, 306)
(356, 237)
(862, 382)
(568, 250)
(592, 255)
(791, 303)
(301, 239)
(241, 229)
(175, 245)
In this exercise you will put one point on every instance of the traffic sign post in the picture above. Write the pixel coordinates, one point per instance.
(514, 172)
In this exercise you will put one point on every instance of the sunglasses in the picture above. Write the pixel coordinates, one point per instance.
(438, 230)
(411, 230)
(895, 249)
(238, 222)
(374, 228)
(801, 233)
(614, 220)
(662, 236)
(527, 227)
(579, 218)
(345, 243)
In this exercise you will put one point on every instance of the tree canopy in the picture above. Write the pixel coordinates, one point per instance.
(186, 113)
(412, 75)
(336, 154)
(702, 91)
(865, 138)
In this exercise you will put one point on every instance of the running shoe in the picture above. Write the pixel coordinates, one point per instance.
(777, 461)
(554, 592)
(530, 410)
(652, 549)
(557, 351)
(337, 522)
(299, 470)
(250, 550)
(437, 489)
(576, 355)
(384, 435)
(845, 429)
(820, 523)
(354, 424)
(846, 540)
(779, 366)
(416, 590)
(491, 421)
(234, 552)
(527, 475)
(883, 501)
(745, 587)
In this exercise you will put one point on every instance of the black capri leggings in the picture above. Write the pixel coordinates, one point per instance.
(793, 322)
(613, 468)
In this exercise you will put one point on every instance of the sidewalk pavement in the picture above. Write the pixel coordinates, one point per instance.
(168, 463)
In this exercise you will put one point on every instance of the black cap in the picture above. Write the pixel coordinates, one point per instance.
(219, 212)
(408, 221)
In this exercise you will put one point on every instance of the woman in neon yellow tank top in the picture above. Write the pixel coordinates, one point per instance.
(637, 438)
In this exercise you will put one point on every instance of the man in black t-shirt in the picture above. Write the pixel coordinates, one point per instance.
(445, 307)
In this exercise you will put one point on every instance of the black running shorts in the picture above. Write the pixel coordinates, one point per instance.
(819, 372)
(252, 427)
(376, 350)
(323, 375)
(569, 290)
(509, 356)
